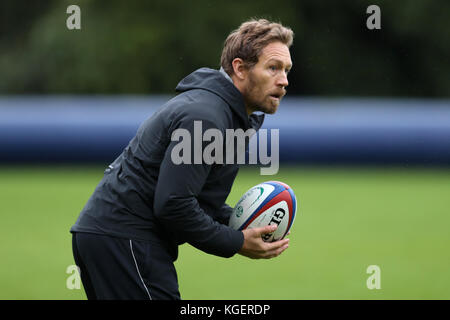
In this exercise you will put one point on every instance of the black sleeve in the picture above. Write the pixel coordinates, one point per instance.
(223, 216)
(177, 208)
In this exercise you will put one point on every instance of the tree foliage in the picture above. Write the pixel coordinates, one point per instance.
(142, 47)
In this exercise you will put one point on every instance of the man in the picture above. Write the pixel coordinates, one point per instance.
(126, 238)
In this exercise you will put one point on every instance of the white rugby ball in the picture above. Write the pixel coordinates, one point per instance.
(268, 203)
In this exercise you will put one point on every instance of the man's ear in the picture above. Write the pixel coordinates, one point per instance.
(239, 68)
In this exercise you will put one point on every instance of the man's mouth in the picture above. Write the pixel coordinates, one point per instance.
(276, 96)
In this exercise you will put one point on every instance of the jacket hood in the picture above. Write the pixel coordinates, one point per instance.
(213, 81)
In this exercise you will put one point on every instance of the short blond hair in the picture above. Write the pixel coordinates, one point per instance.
(249, 39)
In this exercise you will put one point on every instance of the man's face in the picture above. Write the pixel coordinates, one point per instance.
(266, 81)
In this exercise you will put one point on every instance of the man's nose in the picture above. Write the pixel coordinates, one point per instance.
(282, 80)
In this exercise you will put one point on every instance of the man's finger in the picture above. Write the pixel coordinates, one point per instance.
(265, 230)
(276, 252)
(271, 246)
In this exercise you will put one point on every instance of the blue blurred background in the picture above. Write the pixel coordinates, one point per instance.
(86, 129)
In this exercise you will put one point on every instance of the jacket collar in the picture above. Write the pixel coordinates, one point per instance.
(216, 82)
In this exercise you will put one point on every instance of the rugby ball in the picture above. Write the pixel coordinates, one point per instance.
(268, 203)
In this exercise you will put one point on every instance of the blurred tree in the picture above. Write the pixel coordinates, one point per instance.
(141, 47)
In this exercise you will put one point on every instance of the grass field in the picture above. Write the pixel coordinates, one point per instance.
(348, 219)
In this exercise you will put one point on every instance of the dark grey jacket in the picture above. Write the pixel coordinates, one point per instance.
(145, 196)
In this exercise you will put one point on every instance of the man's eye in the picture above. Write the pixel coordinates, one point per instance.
(273, 68)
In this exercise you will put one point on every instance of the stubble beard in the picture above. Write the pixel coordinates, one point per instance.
(255, 101)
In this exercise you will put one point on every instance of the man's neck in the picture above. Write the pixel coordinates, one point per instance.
(227, 76)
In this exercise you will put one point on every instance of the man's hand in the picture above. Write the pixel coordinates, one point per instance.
(254, 247)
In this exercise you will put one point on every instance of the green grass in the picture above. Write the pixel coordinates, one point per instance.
(348, 219)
